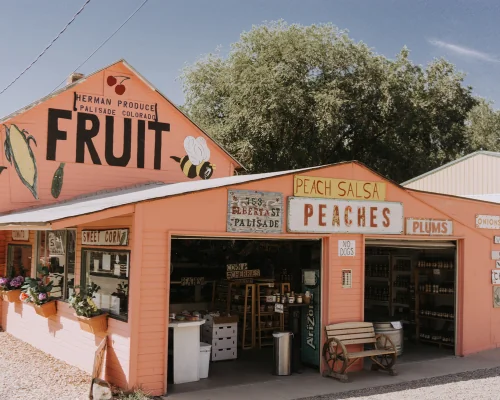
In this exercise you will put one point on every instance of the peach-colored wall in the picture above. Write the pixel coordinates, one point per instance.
(205, 214)
(61, 335)
(84, 176)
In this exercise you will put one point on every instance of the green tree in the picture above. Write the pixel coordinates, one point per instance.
(291, 96)
(483, 127)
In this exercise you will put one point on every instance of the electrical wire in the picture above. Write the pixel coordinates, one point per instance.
(48, 46)
(103, 43)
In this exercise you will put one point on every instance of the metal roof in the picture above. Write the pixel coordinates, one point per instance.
(458, 160)
(149, 84)
(102, 201)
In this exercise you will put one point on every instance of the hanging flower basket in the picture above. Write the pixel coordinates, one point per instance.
(94, 325)
(46, 310)
(11, 296)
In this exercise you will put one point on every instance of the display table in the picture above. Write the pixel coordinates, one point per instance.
(186, 348)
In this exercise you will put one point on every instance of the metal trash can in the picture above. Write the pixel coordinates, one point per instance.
(282, 353)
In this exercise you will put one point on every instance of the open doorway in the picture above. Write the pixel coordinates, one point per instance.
(246, 283)
(410, 295)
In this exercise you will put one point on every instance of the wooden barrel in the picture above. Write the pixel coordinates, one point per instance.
(396, 335)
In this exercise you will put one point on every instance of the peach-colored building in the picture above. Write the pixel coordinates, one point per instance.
(107, 162)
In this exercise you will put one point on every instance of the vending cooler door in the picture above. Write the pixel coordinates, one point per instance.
(311, 324)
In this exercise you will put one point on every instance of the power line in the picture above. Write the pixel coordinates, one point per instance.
(103, 43)
(48, 46)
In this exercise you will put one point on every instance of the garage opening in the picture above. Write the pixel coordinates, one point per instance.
(410, 294)
(246, 290)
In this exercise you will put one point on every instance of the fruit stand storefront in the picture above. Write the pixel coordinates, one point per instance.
(124, 242)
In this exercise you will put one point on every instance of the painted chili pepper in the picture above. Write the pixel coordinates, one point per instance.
(57, 181)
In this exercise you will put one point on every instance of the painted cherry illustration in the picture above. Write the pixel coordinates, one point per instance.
(120, 88)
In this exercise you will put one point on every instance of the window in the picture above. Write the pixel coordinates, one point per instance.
(56, 250)
(18, 260)
(108, 269)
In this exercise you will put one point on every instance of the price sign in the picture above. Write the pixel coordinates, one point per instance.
(396, 325)
(278, 308)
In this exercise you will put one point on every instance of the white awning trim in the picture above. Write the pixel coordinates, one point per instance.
(492, 198)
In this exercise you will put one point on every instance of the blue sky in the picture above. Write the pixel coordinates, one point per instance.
(167, 34)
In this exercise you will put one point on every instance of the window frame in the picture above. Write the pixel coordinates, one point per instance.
(34, 274)
(83, 273)
(25, 245)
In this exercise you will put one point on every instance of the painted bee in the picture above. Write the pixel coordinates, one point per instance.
(196, 162)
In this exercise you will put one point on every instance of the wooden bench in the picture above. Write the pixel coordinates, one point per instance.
(339, 359)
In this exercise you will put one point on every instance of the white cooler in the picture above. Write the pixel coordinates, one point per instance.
(204, 363)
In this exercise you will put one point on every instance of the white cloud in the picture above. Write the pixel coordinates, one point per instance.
(464, 51)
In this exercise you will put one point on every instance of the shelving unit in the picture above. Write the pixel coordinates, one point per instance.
(435, 302)
(377, 280)
(400, 287)
(265, 311)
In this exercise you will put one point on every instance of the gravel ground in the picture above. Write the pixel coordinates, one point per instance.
(27, 373)
(480, 384)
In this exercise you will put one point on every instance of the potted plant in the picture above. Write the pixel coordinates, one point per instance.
(11, 288)
(91, 318)
(36, 291)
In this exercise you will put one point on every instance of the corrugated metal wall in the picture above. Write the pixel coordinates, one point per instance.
(475, 175)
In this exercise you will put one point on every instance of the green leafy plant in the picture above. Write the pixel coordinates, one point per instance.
(82, 301)
(37, 290)
(137, 394)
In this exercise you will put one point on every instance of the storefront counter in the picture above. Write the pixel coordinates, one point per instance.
(186, 350)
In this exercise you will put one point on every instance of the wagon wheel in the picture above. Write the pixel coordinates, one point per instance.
(335, 355)
(385, 361)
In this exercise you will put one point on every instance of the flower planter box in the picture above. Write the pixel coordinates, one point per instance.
(94, 325)
(11, 296)
(46, 310)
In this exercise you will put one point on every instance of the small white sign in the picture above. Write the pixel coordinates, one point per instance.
(488, 221)
(396, 325)
(347, 248)
(20, 235)
(495, 255)
(436, 271)
(429, 227)
(278, 308)
(497, 264)
(496, 239)
(495, 277)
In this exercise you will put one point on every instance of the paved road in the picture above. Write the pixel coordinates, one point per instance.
(481, 384)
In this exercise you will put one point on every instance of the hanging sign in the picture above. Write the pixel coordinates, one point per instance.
(330, 188)
(488, 221)
(192, 281)
(237, 271)
(20, 235)
(113, 237)
(495, 255)
(496, 239)
(347, 248)
(56, 243)
(344, 216)
(495, 277)
(250, 211)
(431, 227)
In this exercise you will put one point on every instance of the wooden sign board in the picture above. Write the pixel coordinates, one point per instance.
(21, 235)
(247, 273)
(495, 277)
(497, 264)
(496, 296)
(488, 221)
(308, 215)
(254, 212)
(332, 188)
(99, 358)
(495, 255)
(192, 281)
(112, 237)
(496, 239)
(429, 227)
